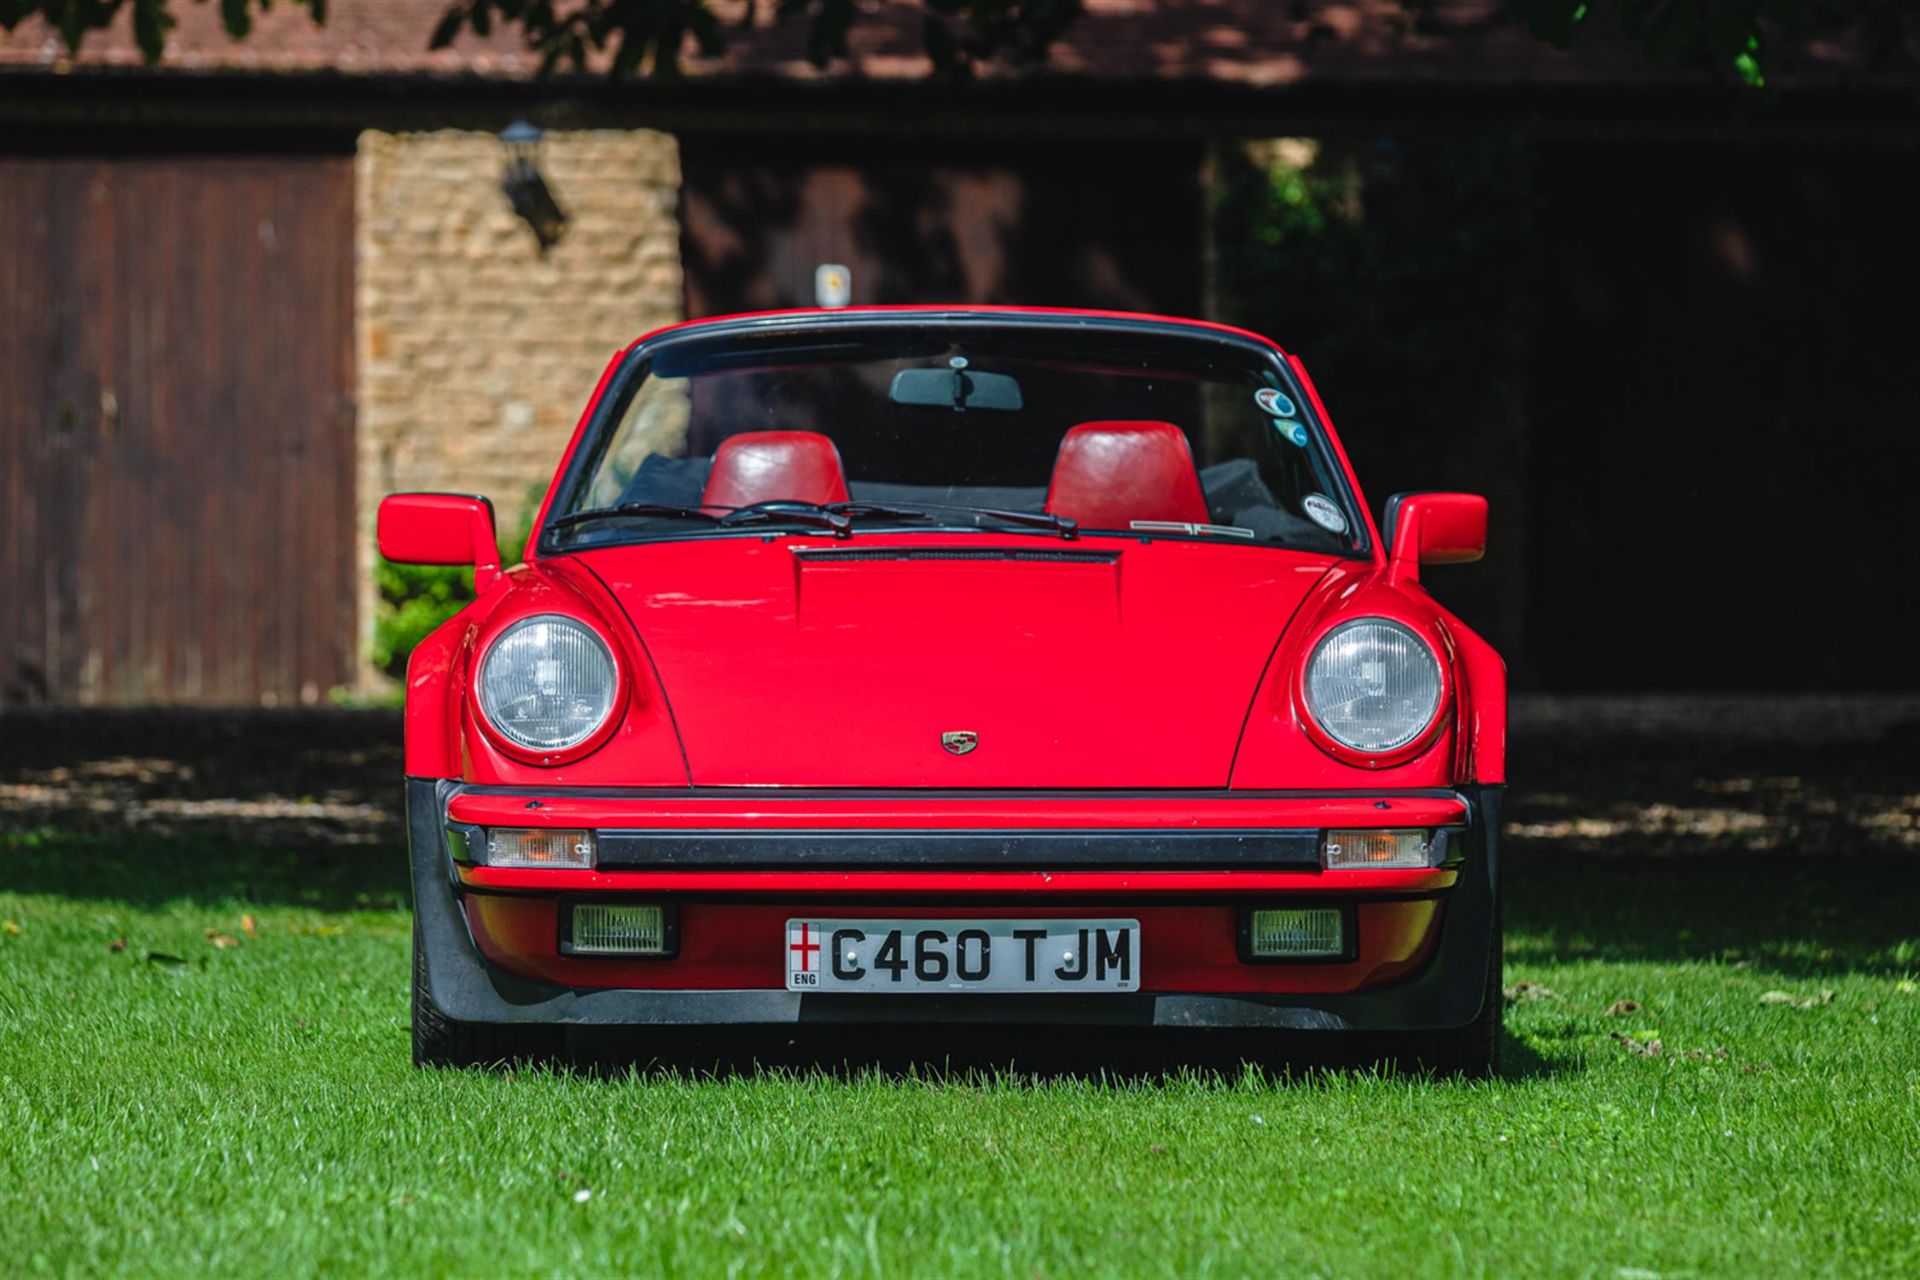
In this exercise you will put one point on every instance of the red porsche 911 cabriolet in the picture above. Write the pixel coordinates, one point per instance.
(964, 666)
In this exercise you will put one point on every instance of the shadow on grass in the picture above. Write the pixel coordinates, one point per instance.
(210, 751)
(293, 780)
(1799, 917)
(950, 1054)
(1521, 1061)
(148, 871)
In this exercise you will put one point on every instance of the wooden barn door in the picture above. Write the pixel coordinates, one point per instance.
(176, 429)
(1082, 224)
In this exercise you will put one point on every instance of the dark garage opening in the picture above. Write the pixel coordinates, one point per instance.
(1074, 224)
(1724, 441)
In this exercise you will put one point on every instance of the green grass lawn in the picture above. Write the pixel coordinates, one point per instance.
(181, 1094)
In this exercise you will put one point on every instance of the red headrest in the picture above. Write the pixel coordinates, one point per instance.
(1110, 473)
(764, 466)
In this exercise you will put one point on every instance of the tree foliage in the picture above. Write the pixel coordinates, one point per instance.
(628, 37)
(633, 36)
(151, 20)
(1744, 40)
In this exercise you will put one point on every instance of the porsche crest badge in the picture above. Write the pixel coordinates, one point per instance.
(959, 741)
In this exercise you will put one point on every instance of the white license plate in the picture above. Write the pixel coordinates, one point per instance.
(963, 955)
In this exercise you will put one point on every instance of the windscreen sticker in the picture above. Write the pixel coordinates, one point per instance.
(1291, 431)
(1321, 510)
(1274, 403)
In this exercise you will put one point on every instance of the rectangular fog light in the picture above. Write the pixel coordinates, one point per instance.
(538, 847)
(1309, 933)
(1383, 849)
(618, 929)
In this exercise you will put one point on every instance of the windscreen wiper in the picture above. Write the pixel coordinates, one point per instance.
(807, 513)
(835, 517)
(1062, 525)
(631, 509)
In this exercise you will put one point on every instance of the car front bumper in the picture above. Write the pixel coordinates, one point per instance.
(734, 864)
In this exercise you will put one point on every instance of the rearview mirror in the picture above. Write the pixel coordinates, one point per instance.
(955, 388)
(440, 528)
(1433, 528)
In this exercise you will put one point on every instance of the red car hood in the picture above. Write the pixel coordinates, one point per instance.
(1100, 662)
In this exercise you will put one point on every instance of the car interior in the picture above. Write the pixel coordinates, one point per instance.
(1107, 475)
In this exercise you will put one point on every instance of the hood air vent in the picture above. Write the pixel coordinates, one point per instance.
(823, 556)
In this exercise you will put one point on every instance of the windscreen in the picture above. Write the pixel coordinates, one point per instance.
(1135, 432)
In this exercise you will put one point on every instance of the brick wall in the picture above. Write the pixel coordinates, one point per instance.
(477, 352)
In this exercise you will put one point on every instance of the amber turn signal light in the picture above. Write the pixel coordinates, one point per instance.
(1382, 849)
(539, 847)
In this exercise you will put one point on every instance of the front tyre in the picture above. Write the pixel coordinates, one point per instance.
(440, 1041)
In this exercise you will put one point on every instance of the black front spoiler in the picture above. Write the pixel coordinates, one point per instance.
(1446, 993)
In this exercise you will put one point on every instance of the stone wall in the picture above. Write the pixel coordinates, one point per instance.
(476, 351)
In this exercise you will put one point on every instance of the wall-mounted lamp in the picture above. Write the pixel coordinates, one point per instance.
(526, 189)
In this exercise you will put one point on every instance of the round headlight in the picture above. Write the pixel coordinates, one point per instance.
(1373, 685)
(547, 683)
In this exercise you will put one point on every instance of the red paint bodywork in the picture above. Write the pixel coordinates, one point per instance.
(763, 678)
(1437, 528)
(788, 666)
(439, 528)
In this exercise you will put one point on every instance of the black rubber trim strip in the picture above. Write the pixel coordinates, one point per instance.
(1000, 850)
(1446, 993)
